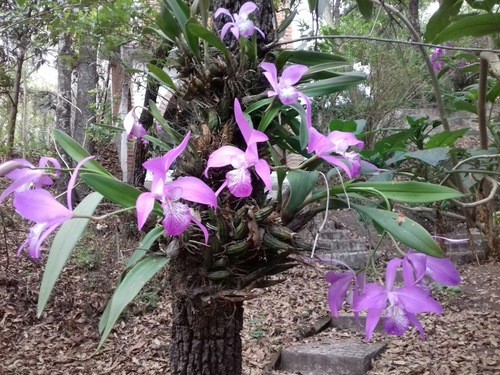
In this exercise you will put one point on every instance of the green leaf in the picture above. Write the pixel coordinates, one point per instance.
(126, 291)
(441, 18)
(164, 124)
(302, 184)
(287, 21)
(332, 85)
(463, 105)
(434, 156)
(348, 126)
(309, 58)
(269, 116)
(62, 246)
(167, 24)
(475, 25)
(205, 34)
(325, 70)
(445, 138)
(303, 132)
(145, 245)
(406, 231)
(77, 152)
(407, 191)
(258, 104)
(392, 142)
(116, 191)
(161, 76)
(494, 93)
(366, 8)
(312, 5)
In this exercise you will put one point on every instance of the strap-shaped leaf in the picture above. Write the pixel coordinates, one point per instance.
(309, 58)
(302, 184)
(332, 85)
(62, 246)
(77, 152)
(208, 36)
(145, 245)
(365, 8)
(161, 76)
(441, 18)
(116, 191)
(126, 291)
(407, 191)
(445, 138)
(403, 229)
(475, 25)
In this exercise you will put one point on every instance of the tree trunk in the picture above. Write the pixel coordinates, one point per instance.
(64, 72)
(414, 17)
(11, 125)
(85, 95)
(205, 330)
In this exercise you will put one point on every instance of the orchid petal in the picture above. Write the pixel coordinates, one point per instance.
(414, 320)
(20, 184)
(235, 31)
(271, 74)
(338, 290)
(249, 134)
(372, 319)
(396, 321)
(195, 190)
(225, 29)
(239, 182)
(220, 11)
(339, 162)
(343, 140)
(374, 297)
(160, 166)
(177, 217)
(55, 164)
(247, 8)
(222, 157)
(264, 171)
(415, 300)
(40, 206)
(442, 271)
(24, 168)
(144, 205)
(246, 28)
(72, 180)
(416, 262)
(195, 220)
(292, 74)
(390, 273)
(260, 32)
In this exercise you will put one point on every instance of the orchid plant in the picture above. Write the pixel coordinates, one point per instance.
(238, 143)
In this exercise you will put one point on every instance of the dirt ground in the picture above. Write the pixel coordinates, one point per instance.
(465, 340)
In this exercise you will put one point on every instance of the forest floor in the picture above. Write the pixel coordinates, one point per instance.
(464, 340)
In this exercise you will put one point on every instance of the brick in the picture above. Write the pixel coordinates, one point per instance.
(341, 357)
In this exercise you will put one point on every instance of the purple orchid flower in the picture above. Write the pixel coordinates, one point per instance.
(240, 25)
(177, 215)
(238, 180)
(45, 211)
(343, 287)
(399, 307)
(417, 267)
(284, 88)
(437, 64)
(338, 142)
(133, 128)
(25, 175)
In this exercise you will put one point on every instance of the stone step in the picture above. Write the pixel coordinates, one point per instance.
(337, 357)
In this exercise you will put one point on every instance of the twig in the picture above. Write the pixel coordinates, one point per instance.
(494, 188)
(428, 209)
(466, 161)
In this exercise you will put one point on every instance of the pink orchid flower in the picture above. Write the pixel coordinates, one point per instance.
(133, 128)
(238, 180)
(45, 211)
(283, 87)
(240, 25)
(25, 175)
(339, 143)
(399, 307)
(177, 215)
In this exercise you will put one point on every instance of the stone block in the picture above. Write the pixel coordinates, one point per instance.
(347, 321)
(341, 357)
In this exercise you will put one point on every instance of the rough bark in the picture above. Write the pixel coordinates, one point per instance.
(205, 330)
(85, 95)
(64, 72)
(414, 15)
(11, 125)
